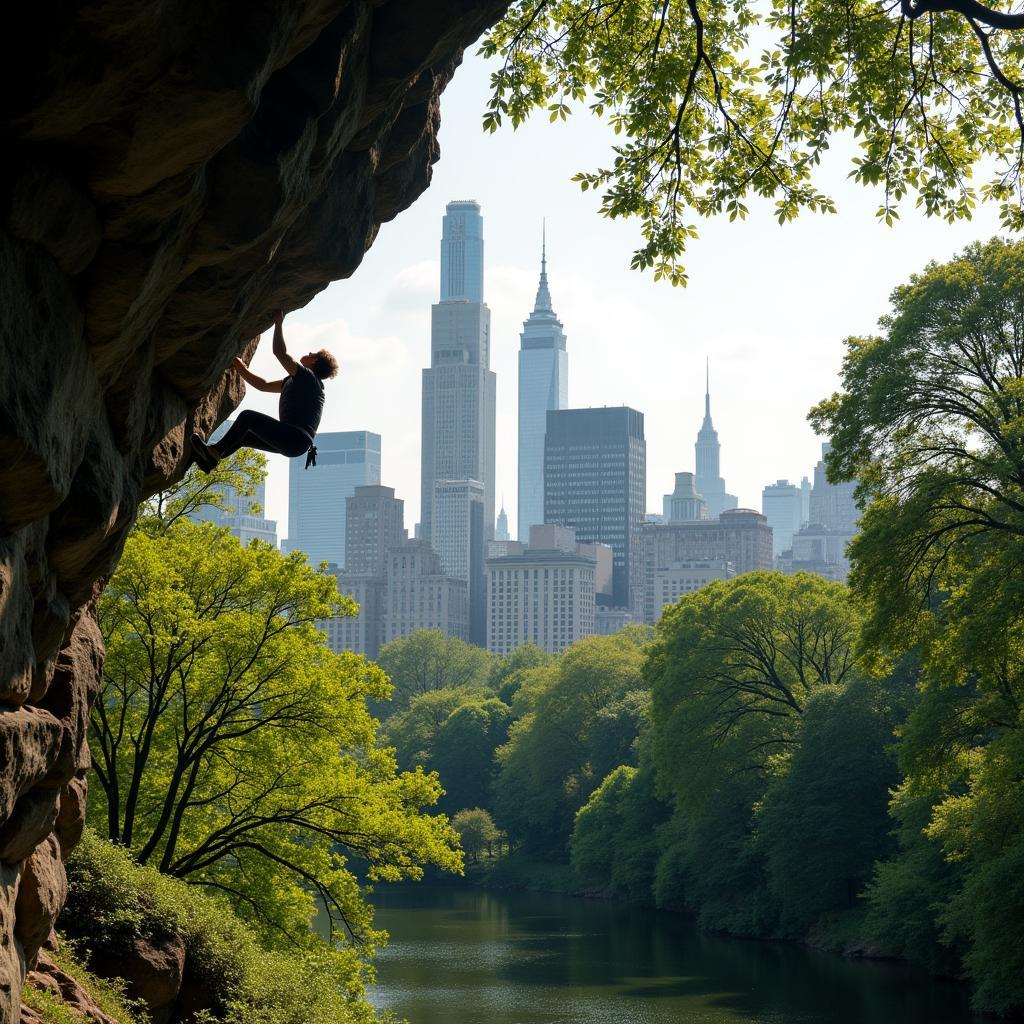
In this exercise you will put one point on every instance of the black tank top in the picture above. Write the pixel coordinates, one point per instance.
(302, 401)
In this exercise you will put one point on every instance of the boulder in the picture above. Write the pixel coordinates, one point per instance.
(152, 971)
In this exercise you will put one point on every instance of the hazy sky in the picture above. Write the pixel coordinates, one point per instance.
(769, 305)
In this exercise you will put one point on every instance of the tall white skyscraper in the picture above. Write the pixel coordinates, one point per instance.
(459, 540)
(543, 385)
(710, 484)
(459, 385)
(316, 497)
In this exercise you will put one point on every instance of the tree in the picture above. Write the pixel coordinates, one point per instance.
(241, 473)
(233, 749)
(718, 102)
(615, 836)
(413, 731)
(824, 821)
(508, 672)
(454, 732)
(464, 755)
(558, 750)
(930, 420)
(477, 831)
(428, 660)
(732, 671)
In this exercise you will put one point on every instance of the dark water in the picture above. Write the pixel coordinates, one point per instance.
(462, 956)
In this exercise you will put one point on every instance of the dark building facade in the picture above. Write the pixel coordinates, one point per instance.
(595, 480)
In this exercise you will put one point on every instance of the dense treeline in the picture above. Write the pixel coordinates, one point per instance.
(781, 756)
(240, 792)
(786, 756)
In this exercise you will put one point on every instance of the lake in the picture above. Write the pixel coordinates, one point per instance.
(468, 956)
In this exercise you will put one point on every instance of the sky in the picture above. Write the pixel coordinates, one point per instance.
(768, 306)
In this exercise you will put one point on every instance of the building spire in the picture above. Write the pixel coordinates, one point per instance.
(707, 392)
(543, 303)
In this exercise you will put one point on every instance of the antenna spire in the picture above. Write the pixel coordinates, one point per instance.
(543, 303)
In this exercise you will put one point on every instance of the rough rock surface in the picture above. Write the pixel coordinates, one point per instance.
(48, 976)
(172, 172)
(152, 971)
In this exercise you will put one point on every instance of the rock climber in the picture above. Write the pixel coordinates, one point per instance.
(302, 403)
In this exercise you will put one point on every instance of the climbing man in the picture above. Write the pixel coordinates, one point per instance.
(302, 403)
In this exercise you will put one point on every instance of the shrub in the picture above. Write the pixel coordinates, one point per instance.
(112, 900)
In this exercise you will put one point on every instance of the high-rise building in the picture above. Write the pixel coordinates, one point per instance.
(805, 501)
(458, 517)
(462, 252)
(738, 541)
(542, 593)
(420, 596)
(373, 526)
(243, 514)
(821, 546)
(459, 386)
(782, 506)
(543, 385)
(317, 496)
(501, 530)
(684, 504)
(833, 505)
(820, 550)
(595, 480)
(374, 523)
(362, 633)
(709, 482)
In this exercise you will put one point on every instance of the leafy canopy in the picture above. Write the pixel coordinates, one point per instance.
(428, 660)
(930, 419)
(713, 103)
(578, 719)
(732, 671)
(234, 749)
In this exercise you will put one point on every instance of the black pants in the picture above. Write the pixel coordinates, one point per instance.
(255, 430)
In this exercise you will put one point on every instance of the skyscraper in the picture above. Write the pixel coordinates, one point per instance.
(419, 595)
(833, 505)
(709, 480)
(458, 516)
(595, 479)
(316, 496)
(459, 386)
(374, 523)
(782, 506)
(543, 385)
(462, 252)
(501, 531)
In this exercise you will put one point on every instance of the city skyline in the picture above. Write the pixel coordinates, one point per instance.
(774, 350)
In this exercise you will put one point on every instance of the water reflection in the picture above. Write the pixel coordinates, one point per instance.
(461, 956)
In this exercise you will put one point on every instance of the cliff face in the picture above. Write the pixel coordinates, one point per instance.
(172, 172)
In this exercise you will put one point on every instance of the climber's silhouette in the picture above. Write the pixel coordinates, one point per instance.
(302, 402)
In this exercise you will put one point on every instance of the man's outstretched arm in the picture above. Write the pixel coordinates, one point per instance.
(257, 382)
(279, 350)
